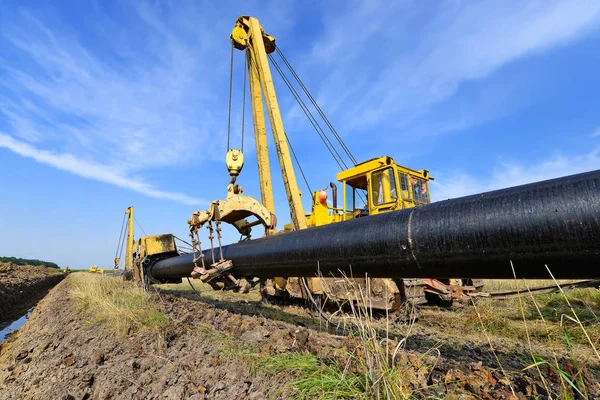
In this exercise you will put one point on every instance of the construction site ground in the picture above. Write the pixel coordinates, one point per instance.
(96, 337)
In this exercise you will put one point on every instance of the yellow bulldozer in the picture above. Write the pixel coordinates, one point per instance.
(95, 270)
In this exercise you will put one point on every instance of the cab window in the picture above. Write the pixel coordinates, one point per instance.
(420, 190)
(404, 185)
(383, 186)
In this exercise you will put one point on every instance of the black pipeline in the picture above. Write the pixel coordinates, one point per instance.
(554, 223)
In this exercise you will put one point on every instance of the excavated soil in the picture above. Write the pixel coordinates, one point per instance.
(60, 355)
(23, 286)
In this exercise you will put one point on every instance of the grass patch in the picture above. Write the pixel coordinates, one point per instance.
(315, 380)
(119, 305)
(541, 316)
(493, 285)
(307, 376)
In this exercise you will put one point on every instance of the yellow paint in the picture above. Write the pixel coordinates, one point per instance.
(259, 44)
(95, 270)
(156, 244)
(388, 186)
(130, 243)
(260, 138)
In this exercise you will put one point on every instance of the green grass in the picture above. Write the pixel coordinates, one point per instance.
(315, 380)
(564, 318)
(493, 285)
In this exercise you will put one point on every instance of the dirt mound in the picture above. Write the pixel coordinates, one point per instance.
(58, 355)
(201, 353)
(22, 286)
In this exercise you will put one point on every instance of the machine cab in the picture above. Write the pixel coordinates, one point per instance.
(381, 185)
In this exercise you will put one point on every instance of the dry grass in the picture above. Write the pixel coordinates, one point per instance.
(493, 285)
(305, 376)
(553, 331)
(552, 326)
(373, 368)
(121, 306)
(537, 316)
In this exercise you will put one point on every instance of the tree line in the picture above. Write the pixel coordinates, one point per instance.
(25, 261)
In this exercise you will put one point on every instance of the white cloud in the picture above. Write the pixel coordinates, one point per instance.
(596, 133)
(124, 98)
(134, 109)
(460, 183)
(398, 62)
(91, 170)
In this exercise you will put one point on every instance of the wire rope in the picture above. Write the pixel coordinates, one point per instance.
(289, 142)
(139, 226)
(338, 159)
(317, 107)
(230, 93)
(244, 102)
(121, 241)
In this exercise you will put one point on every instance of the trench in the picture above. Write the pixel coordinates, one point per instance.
(19, 298)
(12, 326)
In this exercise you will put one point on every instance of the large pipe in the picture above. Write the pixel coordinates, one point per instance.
(554, 223)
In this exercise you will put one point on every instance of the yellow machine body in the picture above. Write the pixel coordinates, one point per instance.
(95, 270)
(129, 242)
(148, 247)
(157, 244)
(389, 186)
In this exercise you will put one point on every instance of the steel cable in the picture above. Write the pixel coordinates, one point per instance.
(316, 105)
(244, 103)
(230, 93)
(339, 160)
(139, 226)
(121, 241)
(307, 112)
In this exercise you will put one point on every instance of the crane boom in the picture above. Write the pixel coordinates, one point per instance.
(260, 137)
(130, 243)
(248, 35)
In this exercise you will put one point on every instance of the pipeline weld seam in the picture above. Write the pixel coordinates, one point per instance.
(410, 242)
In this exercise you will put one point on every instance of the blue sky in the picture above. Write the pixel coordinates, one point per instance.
(109, 104)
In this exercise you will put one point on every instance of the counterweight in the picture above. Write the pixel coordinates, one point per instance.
(554, 223)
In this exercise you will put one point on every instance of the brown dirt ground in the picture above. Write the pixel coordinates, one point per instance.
(21, 287)
(59, 355)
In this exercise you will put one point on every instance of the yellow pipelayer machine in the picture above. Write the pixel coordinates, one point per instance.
(379, 185)
(385, 185)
